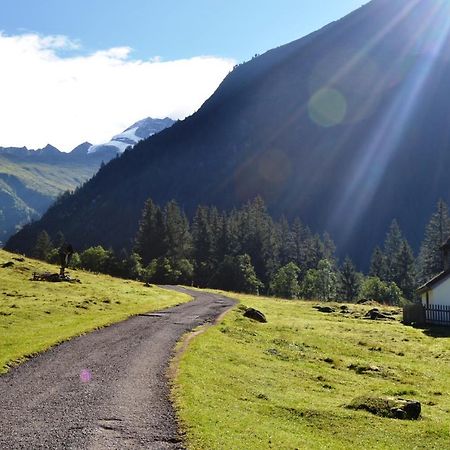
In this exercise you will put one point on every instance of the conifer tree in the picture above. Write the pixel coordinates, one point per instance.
(256, 235)
(222, 239)
(287, 252)
(203, 240)
(430, 262)
(329, 248)
(232, 234)
(177, 239)
(349, 281)
(43, 246)
(236, 273)
(392, 246)
(298, 236)
(378, 264)
(314, 252)
(405, 272)
(398, 264)
(150, 238)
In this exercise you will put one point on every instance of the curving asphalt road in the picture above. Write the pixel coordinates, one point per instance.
(105, 390)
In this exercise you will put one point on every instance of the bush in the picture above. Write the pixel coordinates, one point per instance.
(75, 261)
(95, 259)
(285, 282)
(374, 289)
(169, 271)
(320, 283)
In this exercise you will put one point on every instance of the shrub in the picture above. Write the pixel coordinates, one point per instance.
(374, 289)
(285, 282)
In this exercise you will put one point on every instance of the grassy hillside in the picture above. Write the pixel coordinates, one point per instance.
(28, 188)
(285, 384)
(36, 315)
(46, 178)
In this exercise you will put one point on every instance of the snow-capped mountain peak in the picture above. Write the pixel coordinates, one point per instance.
(132, 135)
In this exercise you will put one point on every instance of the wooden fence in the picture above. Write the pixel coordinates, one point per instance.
(414, 314)
(426, 315)
(437, 315)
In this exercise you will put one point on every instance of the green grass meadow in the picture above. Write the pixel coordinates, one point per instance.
(285, 384)
(36, 315)
(44, 178)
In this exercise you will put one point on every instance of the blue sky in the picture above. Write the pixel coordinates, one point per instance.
(175, 29)
(84, 70)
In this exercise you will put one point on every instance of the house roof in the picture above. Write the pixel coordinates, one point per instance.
(434, 281)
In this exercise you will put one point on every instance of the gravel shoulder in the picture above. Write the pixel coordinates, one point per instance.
(105, 390)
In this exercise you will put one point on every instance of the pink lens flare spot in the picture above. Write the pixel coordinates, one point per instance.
(85, 376)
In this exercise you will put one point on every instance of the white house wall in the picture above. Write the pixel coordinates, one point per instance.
(439, 295)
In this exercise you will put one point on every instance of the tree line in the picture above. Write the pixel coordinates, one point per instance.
(246, 250)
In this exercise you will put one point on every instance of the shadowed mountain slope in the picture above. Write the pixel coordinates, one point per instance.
(346, 128)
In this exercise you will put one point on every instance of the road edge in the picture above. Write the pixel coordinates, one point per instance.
(180, 349)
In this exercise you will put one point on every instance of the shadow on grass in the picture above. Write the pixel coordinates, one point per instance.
(436, 331)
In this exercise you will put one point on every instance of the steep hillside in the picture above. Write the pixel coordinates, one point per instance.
(346, 128)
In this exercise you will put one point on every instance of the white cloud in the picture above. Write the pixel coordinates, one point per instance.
(51, 94)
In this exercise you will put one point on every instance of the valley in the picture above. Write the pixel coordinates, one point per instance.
(261, 262)
(31, 180)
(324, 128)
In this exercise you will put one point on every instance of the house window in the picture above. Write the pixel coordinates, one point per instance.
(428, 298)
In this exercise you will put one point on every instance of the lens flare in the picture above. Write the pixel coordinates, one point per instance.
(274, 167)
(327, 107)
(85, 376)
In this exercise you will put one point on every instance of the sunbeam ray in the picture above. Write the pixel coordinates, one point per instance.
(380, 148)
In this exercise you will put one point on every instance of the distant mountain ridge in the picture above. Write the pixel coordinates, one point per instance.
(30, 180)
(346, 128)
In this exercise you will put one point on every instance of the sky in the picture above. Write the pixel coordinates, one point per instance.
(84, 70)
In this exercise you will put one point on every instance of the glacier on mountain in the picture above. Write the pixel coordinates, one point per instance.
(132, 135)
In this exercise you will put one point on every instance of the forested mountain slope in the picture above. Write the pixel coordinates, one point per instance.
(346, 128)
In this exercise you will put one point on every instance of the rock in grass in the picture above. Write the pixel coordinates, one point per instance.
(254, 314)
(376, 314)
(324, 309)
(394, 408)
(7, 264)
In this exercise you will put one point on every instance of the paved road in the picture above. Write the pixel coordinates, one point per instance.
(105, 390)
